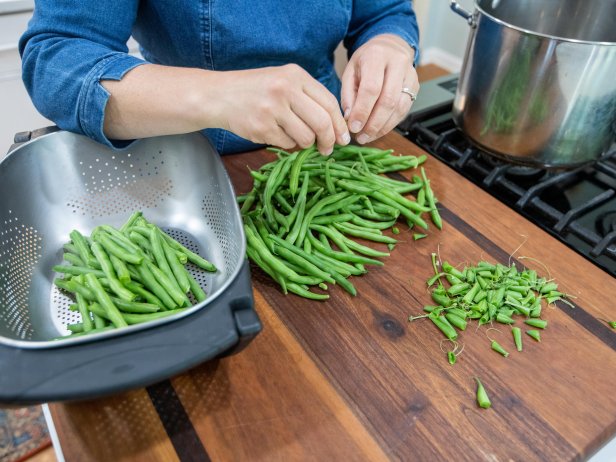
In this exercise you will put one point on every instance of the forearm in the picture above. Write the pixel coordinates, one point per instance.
(154, 100)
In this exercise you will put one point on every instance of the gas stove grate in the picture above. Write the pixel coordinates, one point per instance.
(576, 206)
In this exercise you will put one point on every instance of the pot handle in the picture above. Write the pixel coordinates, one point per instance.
(471, 19)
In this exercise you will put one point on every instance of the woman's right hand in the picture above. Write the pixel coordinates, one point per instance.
(282, 106)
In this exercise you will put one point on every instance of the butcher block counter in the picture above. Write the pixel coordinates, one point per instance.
(351, 379)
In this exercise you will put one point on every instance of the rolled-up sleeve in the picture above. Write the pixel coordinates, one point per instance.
(67, 50)
(374, 17)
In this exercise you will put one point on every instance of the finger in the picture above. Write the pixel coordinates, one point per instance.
(348, 91)
(324, 98)
(387, 103)
(402, 109)
(318, 120)
(370, 85)
(280, 138)
(297, 129)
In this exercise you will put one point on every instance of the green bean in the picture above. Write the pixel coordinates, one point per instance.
(192, 256)
(504, 319)
(120, 268)
(178, 270)
(482, 396)
(418, 236)
(372, 224)
(275, 179)
(306, 266)
(458, 288)
(77, 270)
(451, 357)
(340, 205)
(517, 337)
(344, 268)
(76, 328)
(538, 323)
(160, 258)
(115, 285)
(400, 199)
(296, 167)
(499, 349)
(436, 218)
(152, 284)
(74, 259)
(443, 325)
(131, 220)
(456, 320)
(103, 298)
(195, 288)
(364, 234)
(299, 290)
(299, 210)
(329, 183)
(343, 256)
(328, 219)
(114, 249)
(271, 260)
(119, 238)
(70, 248)
(99, 323)
(82, 247)
(250, 197)
(442, 300)
(168, 283)
(132, 318)
(140, 240)
(408, 214)
(421, 197)
(534, 334)
(141, 318)
(145, 294)
(85, 313)
(256, 258)
(546, 288)
(286, 207)
(134, 307)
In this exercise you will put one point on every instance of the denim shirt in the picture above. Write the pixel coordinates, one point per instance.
(70, 46)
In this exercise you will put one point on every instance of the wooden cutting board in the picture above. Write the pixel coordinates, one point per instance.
(351, 379)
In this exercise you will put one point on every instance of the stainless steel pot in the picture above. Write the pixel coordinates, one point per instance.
(538, 85)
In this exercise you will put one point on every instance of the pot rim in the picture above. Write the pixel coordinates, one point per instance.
(539, 34)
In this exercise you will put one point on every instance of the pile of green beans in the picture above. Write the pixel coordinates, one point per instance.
(489, 293)
(125, 276)
(305, 211)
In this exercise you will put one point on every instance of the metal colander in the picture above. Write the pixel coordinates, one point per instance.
(63, 181)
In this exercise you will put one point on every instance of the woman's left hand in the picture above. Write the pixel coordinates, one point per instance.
(372, 98)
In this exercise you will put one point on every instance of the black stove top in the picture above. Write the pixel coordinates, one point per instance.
(577, 206)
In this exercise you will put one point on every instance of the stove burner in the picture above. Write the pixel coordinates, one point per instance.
(606, 223)
(521, 171)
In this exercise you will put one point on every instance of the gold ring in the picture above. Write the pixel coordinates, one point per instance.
(408, 91)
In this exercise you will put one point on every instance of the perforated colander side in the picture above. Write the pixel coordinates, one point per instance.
(20, 251)
(121, 184)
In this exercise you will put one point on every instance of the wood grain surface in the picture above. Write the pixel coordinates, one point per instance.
(351, 379)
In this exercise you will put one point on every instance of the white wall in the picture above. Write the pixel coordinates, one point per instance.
(443, 33)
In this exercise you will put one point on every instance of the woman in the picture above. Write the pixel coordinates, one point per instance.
(248, 72)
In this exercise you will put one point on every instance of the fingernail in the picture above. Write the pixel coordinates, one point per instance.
(347, 113)
(363, 138)
(346, 138)
(328, 151)
(356, 126)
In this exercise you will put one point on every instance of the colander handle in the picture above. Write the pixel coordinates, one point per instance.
(23, 137)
